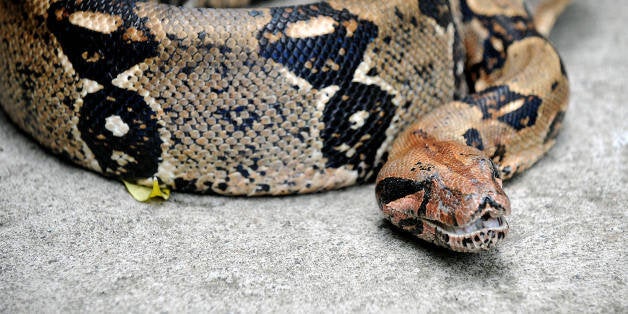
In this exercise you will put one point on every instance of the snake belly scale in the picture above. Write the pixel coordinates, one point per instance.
(453, 96)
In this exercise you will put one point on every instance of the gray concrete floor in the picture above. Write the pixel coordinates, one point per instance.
(73, 241)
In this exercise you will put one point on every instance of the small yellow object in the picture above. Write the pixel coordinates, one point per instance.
(144, 193)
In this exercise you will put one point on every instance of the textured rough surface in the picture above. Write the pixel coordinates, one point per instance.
(139, 91)
(73, 241)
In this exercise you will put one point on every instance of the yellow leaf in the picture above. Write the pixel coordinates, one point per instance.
(144, 193)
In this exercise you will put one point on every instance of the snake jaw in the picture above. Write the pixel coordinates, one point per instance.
(482, 233)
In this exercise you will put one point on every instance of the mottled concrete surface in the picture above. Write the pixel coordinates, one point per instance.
(73, 241)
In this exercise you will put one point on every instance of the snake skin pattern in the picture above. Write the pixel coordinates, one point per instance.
(294, 99)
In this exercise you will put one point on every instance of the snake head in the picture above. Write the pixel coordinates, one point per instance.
(446, 193)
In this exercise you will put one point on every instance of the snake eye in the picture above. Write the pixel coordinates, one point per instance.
(391, 189)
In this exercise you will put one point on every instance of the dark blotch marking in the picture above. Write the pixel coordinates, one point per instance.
(242, 171)
(391, 189)
(356, 97)
(473, 138)
(263, 188)
(439, 10)
(398, 13)
(414, 21)
(117, 53)
(295, 53)
(141, 141)
(185, 185)
(222, 186)
(112, 54)
(499, 154)
(372, 72)
(506, 29)
(492, 99)
(188, 69)
(467, 242)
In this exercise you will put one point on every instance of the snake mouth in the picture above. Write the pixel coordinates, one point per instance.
(483, 223)
(476, 236)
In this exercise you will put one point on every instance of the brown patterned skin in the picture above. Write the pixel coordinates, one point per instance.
(443, 178)
(293, 99)
(254, 101)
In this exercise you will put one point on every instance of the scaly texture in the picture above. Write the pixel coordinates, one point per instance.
(263, 101)
(290, 99)
(443, 178)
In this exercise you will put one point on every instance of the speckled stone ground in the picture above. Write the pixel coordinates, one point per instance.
(71, 241)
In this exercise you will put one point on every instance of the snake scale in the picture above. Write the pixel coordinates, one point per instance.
(447, 98)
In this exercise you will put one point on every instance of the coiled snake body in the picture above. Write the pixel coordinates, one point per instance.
(295, 99)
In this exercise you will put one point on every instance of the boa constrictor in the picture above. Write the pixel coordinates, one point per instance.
(295, 99)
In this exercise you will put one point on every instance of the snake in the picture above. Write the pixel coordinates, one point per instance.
(436, 101)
